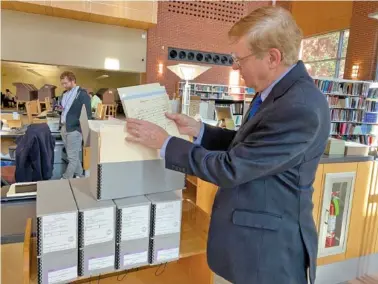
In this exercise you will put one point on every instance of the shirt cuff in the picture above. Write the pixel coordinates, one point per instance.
(164, 147)
(198, 140)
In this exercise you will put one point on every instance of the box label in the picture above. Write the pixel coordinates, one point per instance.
(168, 218)
(101, 262)
(167, 254)
(135, 222)
(59, 232)
(135, 258)
(98, 226)
(62, 275)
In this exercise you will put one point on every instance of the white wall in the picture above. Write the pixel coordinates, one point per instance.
(49, 40)
(86, 78)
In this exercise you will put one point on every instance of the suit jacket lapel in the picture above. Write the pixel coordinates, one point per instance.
(298, 72)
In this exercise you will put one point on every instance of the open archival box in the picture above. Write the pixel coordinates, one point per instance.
(119, 168)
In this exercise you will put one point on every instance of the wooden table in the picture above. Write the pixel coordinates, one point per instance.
(19, 260)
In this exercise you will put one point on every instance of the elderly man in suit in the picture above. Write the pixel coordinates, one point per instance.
(262, 230)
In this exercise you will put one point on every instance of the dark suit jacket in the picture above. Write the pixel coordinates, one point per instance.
(262, 230)
(35, 154)
(73, 115)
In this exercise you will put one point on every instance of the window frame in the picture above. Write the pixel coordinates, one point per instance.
(339, 52)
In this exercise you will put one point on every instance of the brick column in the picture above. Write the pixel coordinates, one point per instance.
(363, 41)
(193, 25)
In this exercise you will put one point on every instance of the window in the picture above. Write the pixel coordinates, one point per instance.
(324, 55)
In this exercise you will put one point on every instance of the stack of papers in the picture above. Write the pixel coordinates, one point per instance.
(148, 102)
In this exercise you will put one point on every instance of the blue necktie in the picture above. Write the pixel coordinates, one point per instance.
(256, 104)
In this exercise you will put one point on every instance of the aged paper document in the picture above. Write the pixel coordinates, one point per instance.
(150, 103)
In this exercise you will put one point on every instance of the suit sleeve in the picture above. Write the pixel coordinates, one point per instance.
(277, 144)
(86, 100)
(216, 138)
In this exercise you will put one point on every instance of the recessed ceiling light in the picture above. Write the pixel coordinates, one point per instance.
(34, 72)
(102, 77)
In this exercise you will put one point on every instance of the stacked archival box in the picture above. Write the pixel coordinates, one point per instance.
(133, 231)
(96, 230)
(127, 214)
(57, 249)
(162, 187)
(120, 169)
(165, 226)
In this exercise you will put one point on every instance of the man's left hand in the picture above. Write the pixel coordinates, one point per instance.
(145, 133)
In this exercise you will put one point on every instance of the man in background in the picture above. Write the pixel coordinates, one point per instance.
(72, 102)
(262, 230)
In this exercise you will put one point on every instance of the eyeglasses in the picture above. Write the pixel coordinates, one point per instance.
(238, 60)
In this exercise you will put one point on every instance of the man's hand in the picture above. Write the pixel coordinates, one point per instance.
(145, 133)
(185, 124)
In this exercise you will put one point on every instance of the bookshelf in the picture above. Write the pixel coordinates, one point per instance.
(222, 96)
(353, 107)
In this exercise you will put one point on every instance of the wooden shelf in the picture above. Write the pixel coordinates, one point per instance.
(168, 274)
(194, 230)
(192, 179)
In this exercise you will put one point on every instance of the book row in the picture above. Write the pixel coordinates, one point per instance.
(346, 115)
(345, 88)
(352, 129)
(344, 102)
(372, 106)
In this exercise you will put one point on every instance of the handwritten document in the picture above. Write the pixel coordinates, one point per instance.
(59, 232)
(98, 226)
(150, 103)
(135, 222)
(168, 218)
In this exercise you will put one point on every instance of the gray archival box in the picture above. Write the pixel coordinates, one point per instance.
(113, 174)
(166, 211)
(96, 230)
(133, 231)
(57, 248)
(127, 179)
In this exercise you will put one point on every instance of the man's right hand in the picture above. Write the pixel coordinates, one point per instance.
(185, 124)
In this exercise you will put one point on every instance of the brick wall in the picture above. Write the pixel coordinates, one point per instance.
(284, 4)
(363, 41)
(192, 30)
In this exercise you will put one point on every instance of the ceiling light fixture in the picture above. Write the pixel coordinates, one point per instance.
(34, 72)
(187, 72)
(102, 77)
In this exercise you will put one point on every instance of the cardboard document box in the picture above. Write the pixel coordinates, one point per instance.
(121, 169)
(133, 231)
(335, 147)
(96, 236)
(57, 242)
(356, 149)
(166, 212)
